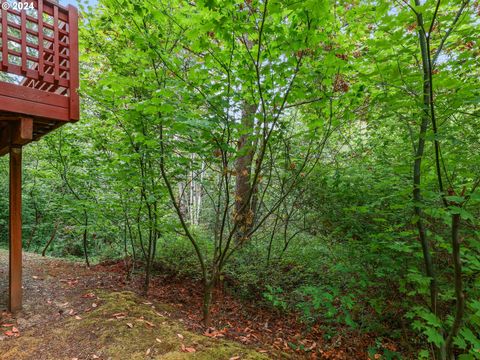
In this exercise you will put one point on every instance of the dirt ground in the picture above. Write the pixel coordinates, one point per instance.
(72, 312)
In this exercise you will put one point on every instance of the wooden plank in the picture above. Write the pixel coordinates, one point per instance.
(74, 76)
(15, 230)
(31, 94)
(31, 108)
(56, 49)
(22, 131)
(4, 140)
(23, 17)
(4, 38)
(41, 70)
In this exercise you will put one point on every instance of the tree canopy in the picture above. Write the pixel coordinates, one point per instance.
(317, 157)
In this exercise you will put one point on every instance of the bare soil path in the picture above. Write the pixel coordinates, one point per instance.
(72, 312)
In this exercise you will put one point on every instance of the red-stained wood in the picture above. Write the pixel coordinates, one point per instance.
(44, 98)
(56, 49)
(23, 17)
(15, 230)
(32, 108)
(33, 95)
(22, 131)
(4, 40)
(5, 140)
(51, 78)
(40, 39)
(74, 73)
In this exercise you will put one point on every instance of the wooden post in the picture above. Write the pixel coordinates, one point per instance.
(15, 229)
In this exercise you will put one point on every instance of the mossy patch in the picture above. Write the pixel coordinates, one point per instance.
(123, 326)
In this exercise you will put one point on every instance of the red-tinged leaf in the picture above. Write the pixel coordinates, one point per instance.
(88, 295)
(8, 325)
(12, 333)
(190, 350)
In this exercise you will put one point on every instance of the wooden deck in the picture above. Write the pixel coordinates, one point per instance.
(38, 92)
(39, 63)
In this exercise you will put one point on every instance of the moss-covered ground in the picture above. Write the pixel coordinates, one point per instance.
(66, 319)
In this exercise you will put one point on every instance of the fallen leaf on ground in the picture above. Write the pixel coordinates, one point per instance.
(119, 315)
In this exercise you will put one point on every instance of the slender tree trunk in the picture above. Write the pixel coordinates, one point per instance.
(243, 168)
(207, 301)
(417, 197)
(34, 229)
(459, 294)
(52, 237)
(85, 239)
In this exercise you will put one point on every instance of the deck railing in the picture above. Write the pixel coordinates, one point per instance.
(39, 50)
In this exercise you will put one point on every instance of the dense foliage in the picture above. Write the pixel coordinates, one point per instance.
(319, 157)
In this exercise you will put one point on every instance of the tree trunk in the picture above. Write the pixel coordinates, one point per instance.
(207, 302)
(243, 167)
(459, 294)
(85, 239)
(52, 237)
(417, 198)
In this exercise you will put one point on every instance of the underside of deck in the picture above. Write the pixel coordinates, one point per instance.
(19, 131)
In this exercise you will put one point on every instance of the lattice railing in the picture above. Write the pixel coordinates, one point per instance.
(39, 45)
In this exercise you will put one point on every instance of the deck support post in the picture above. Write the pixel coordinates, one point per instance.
(15, 230)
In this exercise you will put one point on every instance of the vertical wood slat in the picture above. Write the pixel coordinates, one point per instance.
(40, 39)
(23, 21)
(4, 38)
(15, 230)
(73, 58)
(56, 50)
